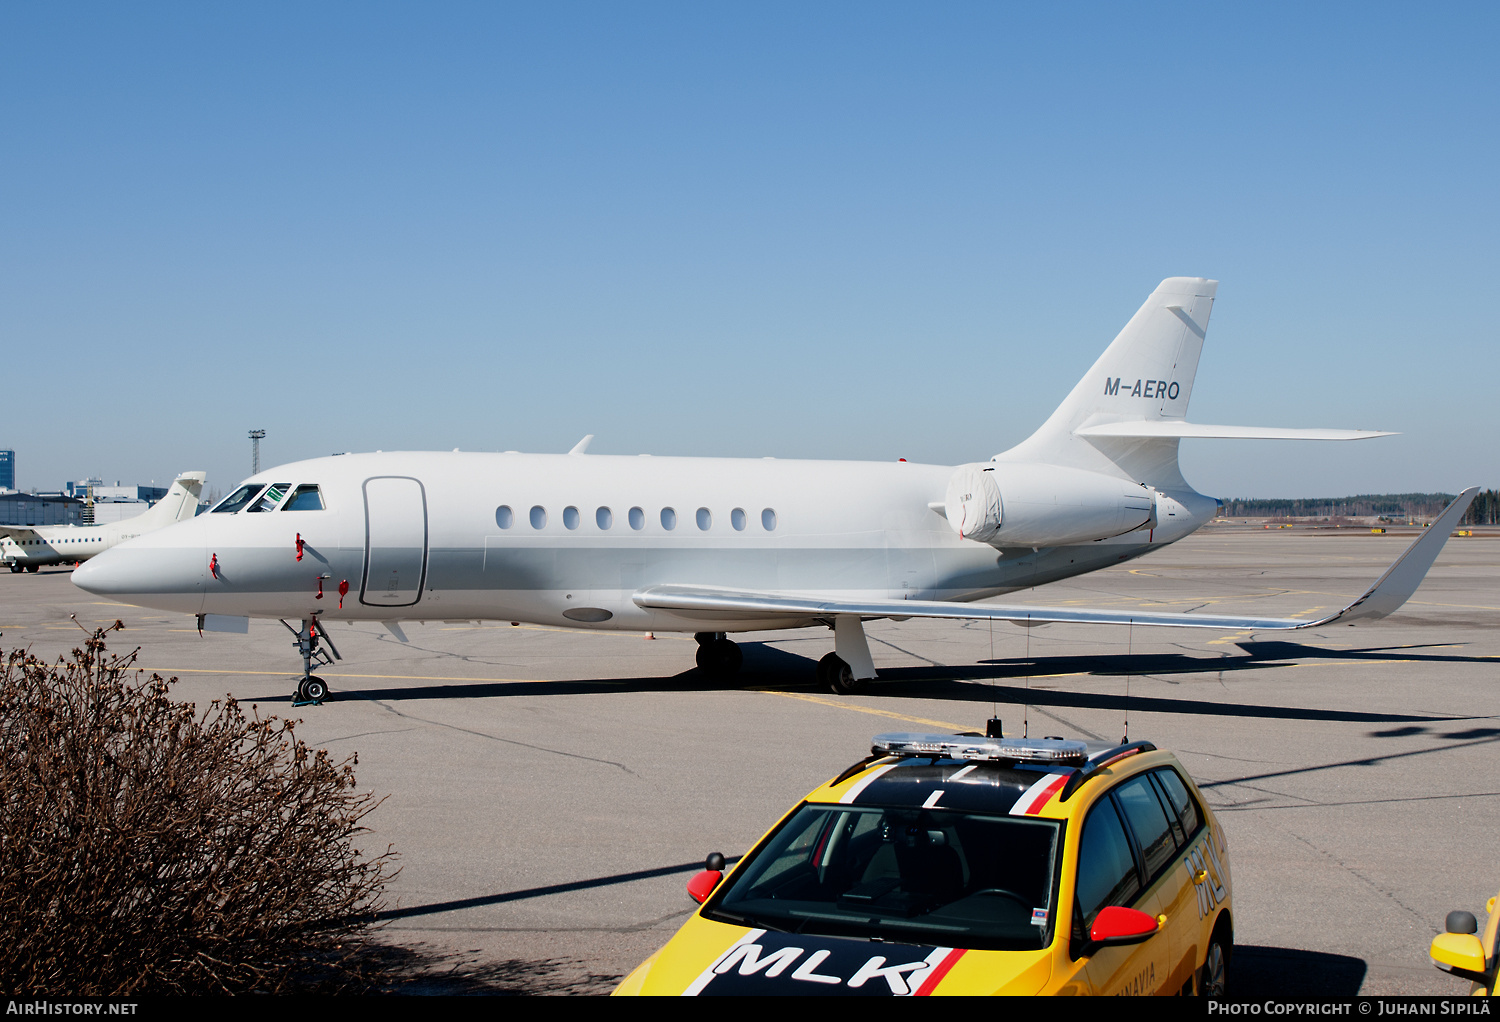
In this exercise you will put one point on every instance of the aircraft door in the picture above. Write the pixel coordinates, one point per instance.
(395, 542)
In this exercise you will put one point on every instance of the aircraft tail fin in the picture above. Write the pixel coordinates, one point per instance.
(1145, 375)
(1128, 414)
(180, 503)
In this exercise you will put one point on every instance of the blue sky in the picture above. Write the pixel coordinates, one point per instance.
(830, 230)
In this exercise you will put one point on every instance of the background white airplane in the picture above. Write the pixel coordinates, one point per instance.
(713, 546)
(28, 547)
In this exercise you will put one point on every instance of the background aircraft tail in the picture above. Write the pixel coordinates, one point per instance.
(1144, 376)
(180, 503)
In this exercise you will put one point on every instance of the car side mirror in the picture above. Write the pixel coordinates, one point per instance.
(1461, 954)
(1117, 926)
(702, 885)
(1458, 951)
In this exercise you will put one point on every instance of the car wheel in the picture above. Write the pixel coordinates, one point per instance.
(1215, 965)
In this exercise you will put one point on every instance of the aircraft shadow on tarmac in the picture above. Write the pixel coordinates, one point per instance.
(685, 869)
(767, 666)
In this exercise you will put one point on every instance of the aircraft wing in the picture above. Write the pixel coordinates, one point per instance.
(1392, 589)
(18, 533)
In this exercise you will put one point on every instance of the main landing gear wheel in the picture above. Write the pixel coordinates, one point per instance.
(33, 568)
(312, 690)
(719, 658)
(839, 676)
(16, 569)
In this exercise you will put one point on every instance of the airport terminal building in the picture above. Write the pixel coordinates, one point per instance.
(39, 509)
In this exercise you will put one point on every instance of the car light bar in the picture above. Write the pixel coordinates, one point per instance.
(1032, 750)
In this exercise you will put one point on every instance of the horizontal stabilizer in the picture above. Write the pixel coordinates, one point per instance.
(1393, 589)
(1176, 429)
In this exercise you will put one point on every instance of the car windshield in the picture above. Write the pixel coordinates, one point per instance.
(929, 876)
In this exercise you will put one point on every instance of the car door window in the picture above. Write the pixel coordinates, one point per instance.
(1148, 820)
(1179, 799)
(1106, 865)
(1179, 836)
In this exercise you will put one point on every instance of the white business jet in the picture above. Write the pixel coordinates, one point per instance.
(713, 546)
(28, 547)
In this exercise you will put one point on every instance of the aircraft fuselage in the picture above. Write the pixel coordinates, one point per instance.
(568, 539)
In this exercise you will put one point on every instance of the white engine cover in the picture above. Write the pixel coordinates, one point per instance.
(973, 502)
(1030, 505)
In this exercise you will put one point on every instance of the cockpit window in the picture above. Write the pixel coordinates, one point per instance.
(306, 498)
(271, 497)
(238, 499)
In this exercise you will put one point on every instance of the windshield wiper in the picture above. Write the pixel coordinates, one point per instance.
(739, 920)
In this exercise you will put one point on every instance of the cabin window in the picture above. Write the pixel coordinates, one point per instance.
(271, 497)
(668, 519)
(570, 518)
(705, 519)
(539, 517)
(768, 519)
(504, 517)
(306, 498)
(238, 499)
(604, 518)
(637, 519)
(737, 519)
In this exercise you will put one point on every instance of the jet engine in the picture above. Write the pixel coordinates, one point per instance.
(1029, 505)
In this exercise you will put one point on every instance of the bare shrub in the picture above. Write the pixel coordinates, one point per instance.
(145, 848)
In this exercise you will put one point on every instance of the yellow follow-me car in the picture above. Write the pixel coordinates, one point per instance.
(1463, 951)
(966, 864)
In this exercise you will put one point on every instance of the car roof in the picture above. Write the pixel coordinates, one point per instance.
(1018, 789)
(940, 783)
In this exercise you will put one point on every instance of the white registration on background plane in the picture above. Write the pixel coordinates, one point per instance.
(713, 546)
(28, 547)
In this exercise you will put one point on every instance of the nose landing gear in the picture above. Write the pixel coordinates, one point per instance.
(312, 690)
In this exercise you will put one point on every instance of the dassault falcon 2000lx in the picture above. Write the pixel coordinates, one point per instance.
(713, 546)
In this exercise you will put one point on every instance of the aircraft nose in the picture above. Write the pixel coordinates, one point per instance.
(158, 570)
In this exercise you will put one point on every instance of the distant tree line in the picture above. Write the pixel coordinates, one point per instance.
(1484, 511)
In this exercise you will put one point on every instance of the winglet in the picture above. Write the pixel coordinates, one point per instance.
(583, 445)
(1402, 578)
